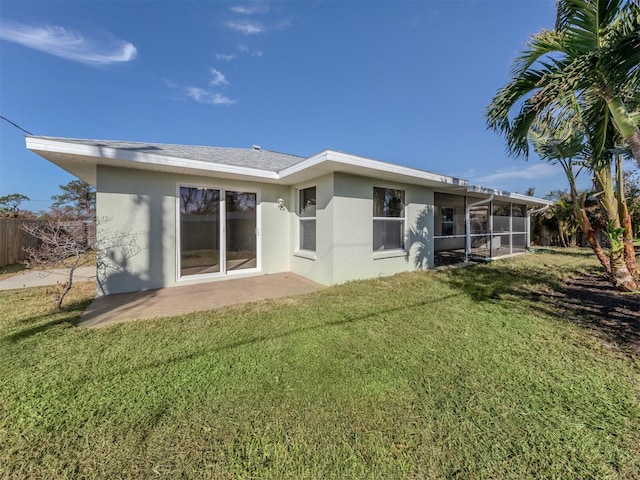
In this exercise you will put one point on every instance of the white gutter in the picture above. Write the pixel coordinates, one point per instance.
(467, 223)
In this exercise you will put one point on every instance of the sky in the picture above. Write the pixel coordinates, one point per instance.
(405, 82)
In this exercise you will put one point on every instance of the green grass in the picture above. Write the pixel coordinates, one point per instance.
(86, 260)
(454, 374)
(11, 270)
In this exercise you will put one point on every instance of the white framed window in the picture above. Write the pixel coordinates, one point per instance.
(388, 219)
(307, 217)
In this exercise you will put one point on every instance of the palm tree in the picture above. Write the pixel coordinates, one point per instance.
(560, 140)
(594, 50)
(575, 85)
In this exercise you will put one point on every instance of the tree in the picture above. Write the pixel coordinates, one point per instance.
(60, 241)
(594, 51)
(558, 220)
(10, 204)
(574, 87)
(78, 200)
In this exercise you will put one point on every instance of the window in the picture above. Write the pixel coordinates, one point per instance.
(447, 221)
(307, 215)
(388, 219)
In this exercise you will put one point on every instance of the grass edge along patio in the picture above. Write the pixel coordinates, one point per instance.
(177, 214)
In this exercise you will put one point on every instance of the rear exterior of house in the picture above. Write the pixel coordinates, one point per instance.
(173, 215)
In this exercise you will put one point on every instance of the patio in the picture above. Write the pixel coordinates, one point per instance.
(111, 309)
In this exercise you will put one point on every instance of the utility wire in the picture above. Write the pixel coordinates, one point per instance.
(16, 125)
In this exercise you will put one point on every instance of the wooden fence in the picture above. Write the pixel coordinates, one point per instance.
(14, 240)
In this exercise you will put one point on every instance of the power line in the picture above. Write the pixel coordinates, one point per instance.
(16, 125)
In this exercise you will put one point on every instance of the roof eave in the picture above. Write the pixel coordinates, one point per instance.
(508, 196)
(82, 160)
(331, 161)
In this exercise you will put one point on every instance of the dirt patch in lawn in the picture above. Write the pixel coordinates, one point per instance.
(592, 302)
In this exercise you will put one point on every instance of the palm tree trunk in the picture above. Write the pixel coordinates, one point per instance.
(581, 216)
(625, 220)
(620, 275)
(607, 195)
(594, 243)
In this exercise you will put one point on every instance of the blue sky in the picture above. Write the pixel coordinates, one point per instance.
(405, 82)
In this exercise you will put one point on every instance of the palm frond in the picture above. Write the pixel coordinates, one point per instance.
(542, 45)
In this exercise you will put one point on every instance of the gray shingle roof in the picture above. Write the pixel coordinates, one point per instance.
(241, 157)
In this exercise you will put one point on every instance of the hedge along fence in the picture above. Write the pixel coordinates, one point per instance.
(14, 240)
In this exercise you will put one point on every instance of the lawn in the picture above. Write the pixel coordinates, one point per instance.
(86, 259)
(465, 373)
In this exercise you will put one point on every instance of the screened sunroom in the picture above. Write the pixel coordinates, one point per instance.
(479, 226)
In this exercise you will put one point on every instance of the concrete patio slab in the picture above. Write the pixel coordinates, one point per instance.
(111, 309)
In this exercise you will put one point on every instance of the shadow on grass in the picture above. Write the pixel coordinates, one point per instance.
(589, 300)
(66, 315)
(491, 282)
(9, 270)
(570, 252)
(344, 319)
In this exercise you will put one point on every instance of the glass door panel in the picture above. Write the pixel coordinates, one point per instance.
(240, 237)
(199, 231)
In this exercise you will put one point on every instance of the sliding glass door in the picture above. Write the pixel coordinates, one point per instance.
(218, 231)
(240, 238)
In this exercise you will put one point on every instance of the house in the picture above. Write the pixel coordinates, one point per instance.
(174, 214)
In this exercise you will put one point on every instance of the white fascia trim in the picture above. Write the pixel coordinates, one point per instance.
(331, 156)
(508, 195)
(56, 146)
(528, 199)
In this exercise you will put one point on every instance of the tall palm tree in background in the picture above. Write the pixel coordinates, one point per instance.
(594, 50)
(606, 166)
(576, 88)
(560, 141)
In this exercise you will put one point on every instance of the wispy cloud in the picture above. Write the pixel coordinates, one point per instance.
(284, 24)
(539, 170)
(225, 57)
(248, 51)
(66, 43)
(246, 28)
(208, 97)
(218, 79)
(249, 10)
(169, 84)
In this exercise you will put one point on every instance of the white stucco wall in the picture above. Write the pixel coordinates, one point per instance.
(354, 257)
(317, 266)
(137, 231)
(137, 212)
(344, 239)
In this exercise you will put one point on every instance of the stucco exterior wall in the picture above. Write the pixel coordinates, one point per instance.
(137, 230)
(316, 266)
(354, 257)
(421, 225)
(344, 231)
